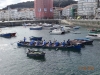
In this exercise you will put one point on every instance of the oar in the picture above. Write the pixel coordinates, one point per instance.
(56, 48)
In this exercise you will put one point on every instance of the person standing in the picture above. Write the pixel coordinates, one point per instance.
(24, 39)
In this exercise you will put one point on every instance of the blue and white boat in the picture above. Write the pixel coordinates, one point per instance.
(35, 38)
(8, 35)
(36, 28)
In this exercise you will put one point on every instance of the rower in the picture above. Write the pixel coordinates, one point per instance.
(32, 42)
(44, 43)
(24, 39)
(50, 42)
(68, 42)
(56, 43)
(37, 43)
(63, 44)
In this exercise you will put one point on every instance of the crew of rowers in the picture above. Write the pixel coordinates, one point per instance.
(55, 43)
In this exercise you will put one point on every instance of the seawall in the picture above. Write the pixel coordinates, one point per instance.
(20, 22)
(85, 22)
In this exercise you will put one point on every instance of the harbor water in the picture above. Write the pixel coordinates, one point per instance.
(14, 60)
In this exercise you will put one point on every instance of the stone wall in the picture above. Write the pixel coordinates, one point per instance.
(87, 22)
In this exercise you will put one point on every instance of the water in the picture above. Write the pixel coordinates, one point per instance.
(14, 61)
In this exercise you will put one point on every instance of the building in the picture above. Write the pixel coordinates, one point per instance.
(70, 11)
(17, 14)
(43, 9)
(86, 8)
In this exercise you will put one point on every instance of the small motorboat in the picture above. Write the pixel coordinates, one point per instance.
(35, 38)
(27, 24)
(47, 25)
(93, 36)
(76, 27)
(35, 54)
(66, 29)
(56, 26)
(57, 32)
(94, 31)
(8, 35)
(36, 28)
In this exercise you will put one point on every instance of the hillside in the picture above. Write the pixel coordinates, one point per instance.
(30, 4)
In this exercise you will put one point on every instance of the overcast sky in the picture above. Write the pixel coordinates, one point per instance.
(4, 3)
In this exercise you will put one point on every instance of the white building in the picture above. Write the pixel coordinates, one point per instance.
(14, 14)
(70, 11)
(86, 8)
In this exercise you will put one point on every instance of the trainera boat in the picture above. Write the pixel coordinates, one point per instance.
(76, 47)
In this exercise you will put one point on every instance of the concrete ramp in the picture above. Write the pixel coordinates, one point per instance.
(66, 22)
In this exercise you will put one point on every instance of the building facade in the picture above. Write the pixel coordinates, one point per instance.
(17, 14)
(86, 8)
(70, 11)
(43, 9)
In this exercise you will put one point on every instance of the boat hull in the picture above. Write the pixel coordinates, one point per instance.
(36, 28)
(36, 56)
(74, 47)
(36, 38)
(8, 35)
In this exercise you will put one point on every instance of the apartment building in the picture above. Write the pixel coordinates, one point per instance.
(86, 8)
(16, 14)
(70, 11)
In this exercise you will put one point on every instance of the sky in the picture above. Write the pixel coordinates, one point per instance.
(4, 3)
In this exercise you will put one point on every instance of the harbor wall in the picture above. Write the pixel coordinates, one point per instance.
(20, 22)
(86, 22)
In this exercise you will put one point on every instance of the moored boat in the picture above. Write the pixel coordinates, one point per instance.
(85, 41)
(47, 25)
(76, 27)
(93, 36)
(71, 47)
(95, 31)
(36, 28)
(35, 38)
(57, 32)
(35, 54)
(27, 24)
(8, 35)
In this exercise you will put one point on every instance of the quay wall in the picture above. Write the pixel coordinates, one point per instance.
(20, 22)
(86, 22)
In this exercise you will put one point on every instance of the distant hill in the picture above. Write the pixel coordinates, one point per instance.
(30, 4)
